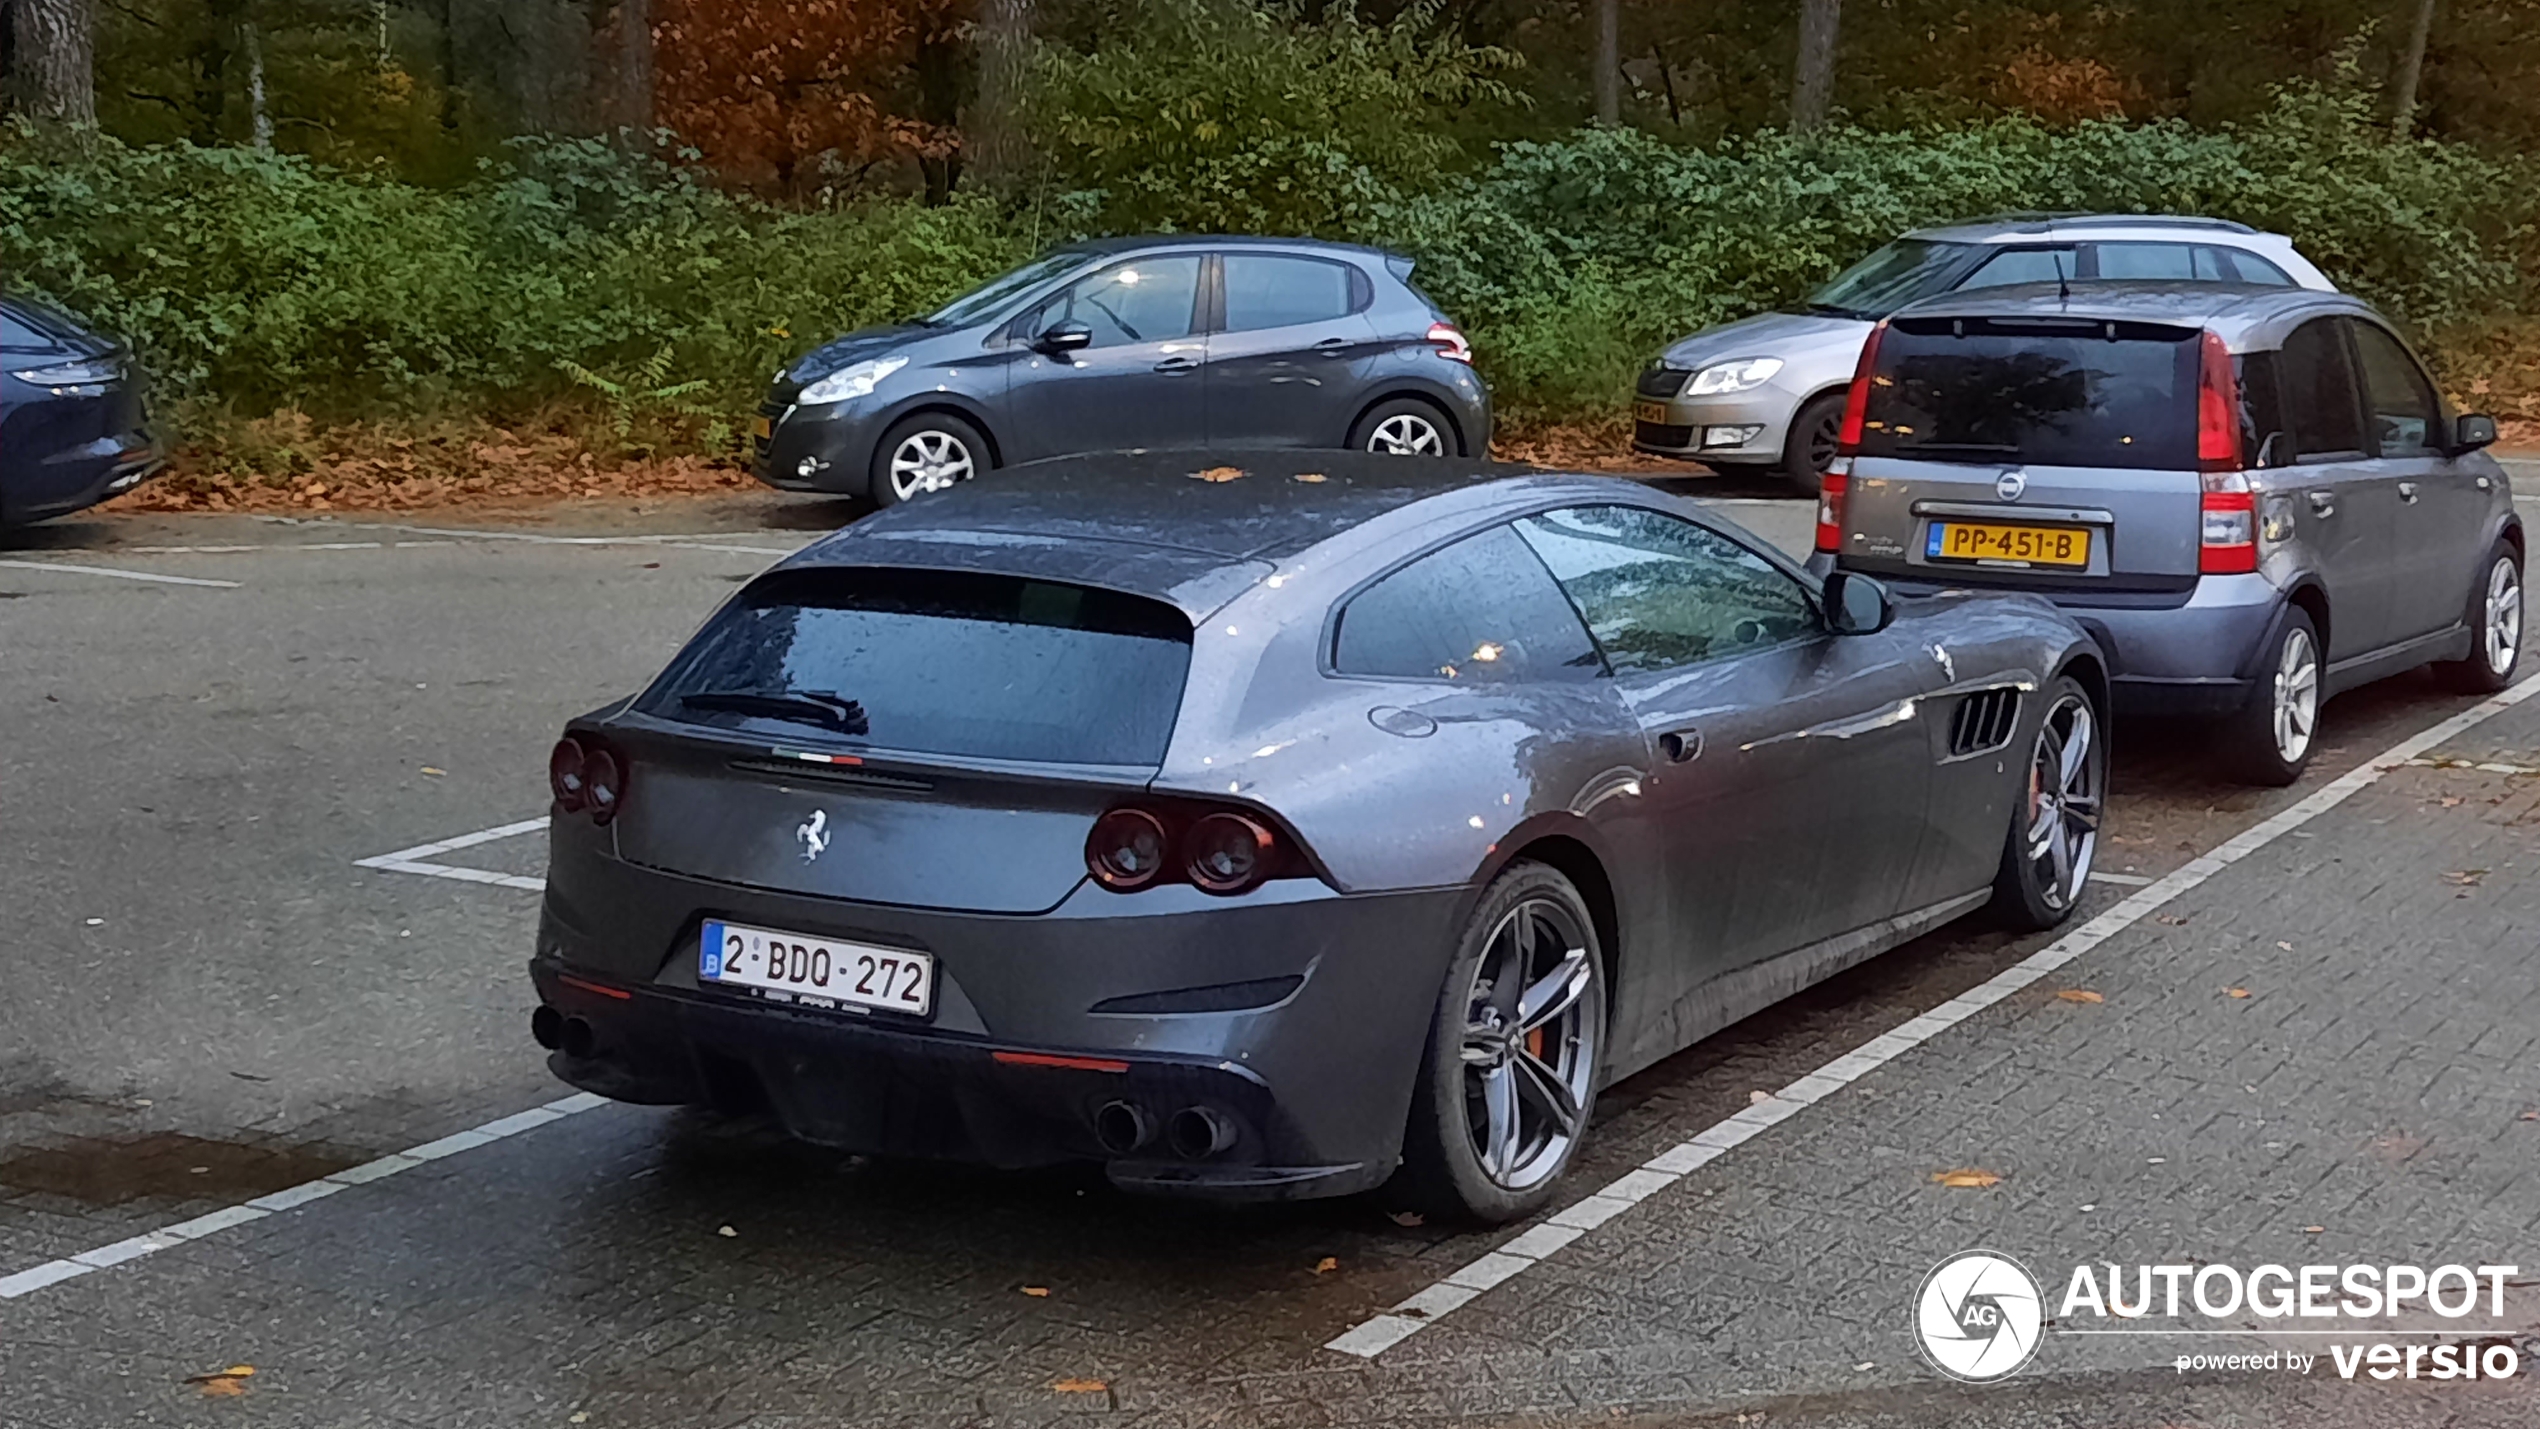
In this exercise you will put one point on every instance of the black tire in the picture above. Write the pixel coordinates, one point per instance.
(1443, 1168)
(2255, 748)
(2495, 643)
(2045, 869)
(964, 447)
(1809, 448)
(1383, 428)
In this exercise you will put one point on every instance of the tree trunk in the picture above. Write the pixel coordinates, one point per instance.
(996, 150)
(259, 118)
(1820, 23)
(210, 63)
(1609, 62)
(630, 101)
(2412, 67)
(939, 82)
(56, 62)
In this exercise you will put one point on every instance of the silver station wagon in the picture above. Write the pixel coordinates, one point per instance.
(2253, 498)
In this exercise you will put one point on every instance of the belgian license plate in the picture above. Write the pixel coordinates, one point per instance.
(761, 428)
(815, 971)
(1986, 541)
(1651, 412)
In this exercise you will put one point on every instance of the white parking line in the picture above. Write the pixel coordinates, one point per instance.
(2122, 880)
(1382, 1332)
(151, 576)
(709, 541)
(415, 860)
(54, 1272)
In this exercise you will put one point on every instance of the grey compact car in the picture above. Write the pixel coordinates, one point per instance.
(1766, 393)
(1256, 825)
(1123, 343)
(2253, 497)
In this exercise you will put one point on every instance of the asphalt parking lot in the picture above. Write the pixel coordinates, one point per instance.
(269, 843)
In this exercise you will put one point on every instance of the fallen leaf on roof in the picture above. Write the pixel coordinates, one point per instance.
(2235, 992)
(1080, 1386)
(1312, 477)
(1408, 1218)
(1038, 1292)
(1327, 1265)
(2076, 994)
(1218, 473)
(1967, 1178)
(725, 1231)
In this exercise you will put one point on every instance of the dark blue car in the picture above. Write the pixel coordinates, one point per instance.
(1155, 343)
(74, 427)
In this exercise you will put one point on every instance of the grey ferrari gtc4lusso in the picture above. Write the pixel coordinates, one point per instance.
(1266, 826)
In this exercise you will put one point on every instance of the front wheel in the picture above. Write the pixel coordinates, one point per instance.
(1509, 1077)
(1810, 447)
(2054, 832)
(2269, 741)
(932, 451)
(2495, 626)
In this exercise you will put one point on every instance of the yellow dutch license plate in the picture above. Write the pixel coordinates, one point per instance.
(1985, 541)
(760, 428)
(1655, 412)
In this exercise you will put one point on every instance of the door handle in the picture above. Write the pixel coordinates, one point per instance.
(2323, 503)
(1333, 347)
(1681, 745)
(1178, 364)
(2408, 491)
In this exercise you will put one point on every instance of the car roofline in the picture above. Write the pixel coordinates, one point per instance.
(2010, 227)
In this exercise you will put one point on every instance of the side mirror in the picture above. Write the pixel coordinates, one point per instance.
(1857, 605)
(1064, 337)
(2472, 431)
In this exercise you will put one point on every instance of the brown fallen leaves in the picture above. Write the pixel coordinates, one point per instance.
(1037, 1292)
(2075, 994)
(2235, 992)
(1080, 1386)
(1327, 1265)
(1967, 1178)
(1311, 478)
(223, 1384)
(1218, 474)
(1408, 1219)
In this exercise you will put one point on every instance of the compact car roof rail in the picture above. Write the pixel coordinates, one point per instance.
(2044, 220)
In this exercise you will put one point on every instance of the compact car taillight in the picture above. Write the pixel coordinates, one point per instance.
(586, 778)
(1217, 850)
(1832, 487)
(1856, 403)
(2227, 538)
(1448, 339)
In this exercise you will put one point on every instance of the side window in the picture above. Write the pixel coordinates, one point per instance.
(1265, 290)
(2177, 262)
(1482, 611)
(2320, 405)
(2022, 265)
(1659, 592)
(1142, 300)
(2248, 267)
(2404, 412)
(17, 336)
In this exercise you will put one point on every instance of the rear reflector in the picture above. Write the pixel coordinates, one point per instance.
(602, 989)
(1832, 488)
(1046, 1059)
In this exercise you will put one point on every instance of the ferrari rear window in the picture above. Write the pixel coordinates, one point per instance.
(938, 662)
(2038, 391)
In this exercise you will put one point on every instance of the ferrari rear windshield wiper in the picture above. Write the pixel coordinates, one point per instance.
(819, 707)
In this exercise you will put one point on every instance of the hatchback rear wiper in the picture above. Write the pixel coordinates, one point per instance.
(819, 707)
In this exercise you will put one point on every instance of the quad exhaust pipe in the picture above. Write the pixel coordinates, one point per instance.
(1194, 1133)
(1197, 1131)
(1123, 1127)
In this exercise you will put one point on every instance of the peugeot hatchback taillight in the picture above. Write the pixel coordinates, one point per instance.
(1448, 339)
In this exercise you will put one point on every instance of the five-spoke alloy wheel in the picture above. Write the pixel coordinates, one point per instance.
(2055, 822)
(926, 453)
(2274, 731)
(2494, 618)
(1405, 426)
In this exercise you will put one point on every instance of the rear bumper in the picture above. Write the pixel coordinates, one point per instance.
(1311, 1069)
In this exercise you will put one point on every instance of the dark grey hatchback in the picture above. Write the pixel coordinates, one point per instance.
(1257, 835)
(1155, 343)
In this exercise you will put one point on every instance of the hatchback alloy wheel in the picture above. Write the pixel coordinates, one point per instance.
(2063, 801)
(929, 460)
(2297, 695)
(1407, 434)
(1529, 1045)
(2501, 640)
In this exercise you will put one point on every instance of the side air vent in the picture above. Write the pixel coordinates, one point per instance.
(1984, 721)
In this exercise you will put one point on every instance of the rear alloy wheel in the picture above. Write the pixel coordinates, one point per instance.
(2272, 735)
(1404, 426)
(1509, 1078)
(929, 452)
(1810, 447)
(2494, 618)
(2055, 822)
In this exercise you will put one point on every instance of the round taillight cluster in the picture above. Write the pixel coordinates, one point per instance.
(586, 779)
(1221, 851)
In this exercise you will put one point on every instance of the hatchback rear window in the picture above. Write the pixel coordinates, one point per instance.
(938, 662)
(2045, 392)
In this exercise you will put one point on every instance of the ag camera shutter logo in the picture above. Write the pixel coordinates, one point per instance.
(1978, 1316)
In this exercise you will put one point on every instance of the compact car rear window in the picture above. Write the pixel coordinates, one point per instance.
(938, 662)
(2044, 391)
